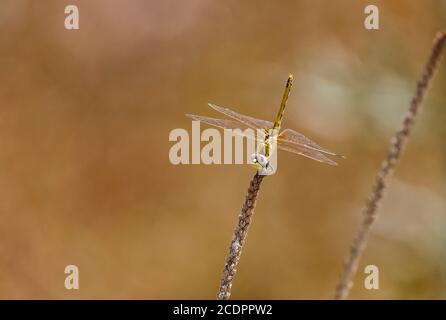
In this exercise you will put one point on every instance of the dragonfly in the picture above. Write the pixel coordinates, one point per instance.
(287, 139)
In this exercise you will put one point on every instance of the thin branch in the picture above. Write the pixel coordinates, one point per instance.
(239, 238)
(397, 144)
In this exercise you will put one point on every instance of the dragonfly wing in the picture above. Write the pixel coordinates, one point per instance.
(290, 136)
(309, 153)
(249, 121)
(237, 127)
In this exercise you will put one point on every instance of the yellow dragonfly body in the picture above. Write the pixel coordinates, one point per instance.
(288, 139)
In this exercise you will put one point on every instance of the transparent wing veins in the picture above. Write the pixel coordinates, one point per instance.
(309, 153)
(247, 120)
(237, 127)
(293, 137)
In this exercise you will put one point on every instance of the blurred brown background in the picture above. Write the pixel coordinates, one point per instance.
(85, 177)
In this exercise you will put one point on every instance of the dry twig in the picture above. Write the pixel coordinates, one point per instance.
(397, 144)
(239, 238)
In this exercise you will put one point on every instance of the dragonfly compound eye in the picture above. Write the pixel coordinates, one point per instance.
(263, 160)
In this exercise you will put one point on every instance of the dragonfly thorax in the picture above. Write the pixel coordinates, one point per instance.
(268, 139)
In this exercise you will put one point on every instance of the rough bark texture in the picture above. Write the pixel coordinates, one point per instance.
(397, 144)
(239, 238)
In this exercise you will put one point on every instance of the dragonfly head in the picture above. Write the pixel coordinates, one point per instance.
(259, 161)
